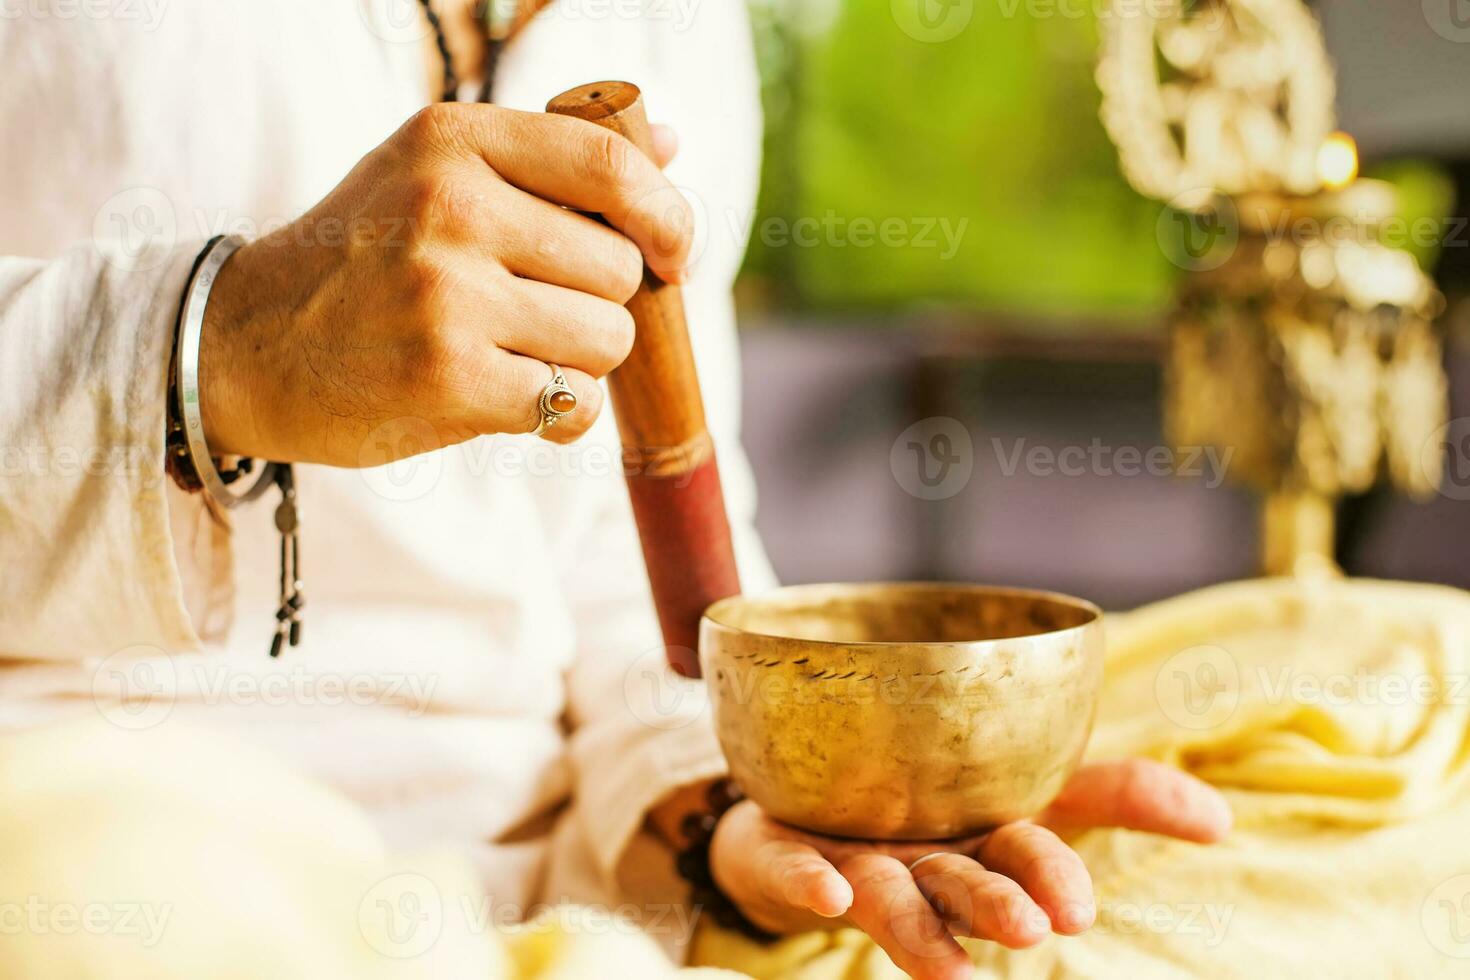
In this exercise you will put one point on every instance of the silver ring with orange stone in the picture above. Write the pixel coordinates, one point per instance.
(557, 400)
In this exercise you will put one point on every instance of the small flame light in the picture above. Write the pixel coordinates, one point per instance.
(1337, 161)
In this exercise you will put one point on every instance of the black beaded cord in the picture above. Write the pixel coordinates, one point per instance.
(693, 863)
(493, 46)
(451, 82)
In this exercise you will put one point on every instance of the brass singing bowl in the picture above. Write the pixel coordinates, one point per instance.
(902, 711)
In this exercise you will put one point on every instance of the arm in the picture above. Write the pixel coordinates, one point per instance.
(642, 739)
(84, 501)
(310, 343)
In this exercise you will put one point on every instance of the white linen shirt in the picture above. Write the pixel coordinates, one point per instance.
(479, 645)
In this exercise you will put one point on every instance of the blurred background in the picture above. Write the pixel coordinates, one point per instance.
(945, 233)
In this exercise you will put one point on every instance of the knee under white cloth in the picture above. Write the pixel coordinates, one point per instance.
(128, 855)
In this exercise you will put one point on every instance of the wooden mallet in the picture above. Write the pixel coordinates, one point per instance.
(668, 455)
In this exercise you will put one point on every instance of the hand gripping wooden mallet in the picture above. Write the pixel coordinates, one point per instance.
(667, 451)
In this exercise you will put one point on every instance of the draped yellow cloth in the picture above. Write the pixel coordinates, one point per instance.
(1334, 715)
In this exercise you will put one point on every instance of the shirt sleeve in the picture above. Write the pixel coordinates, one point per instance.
(639, 731)
(87, 524)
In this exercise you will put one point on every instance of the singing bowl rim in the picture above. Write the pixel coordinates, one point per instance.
(1009, 710)
(715, 615)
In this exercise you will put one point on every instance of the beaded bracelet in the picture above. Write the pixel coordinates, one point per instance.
(693, 863)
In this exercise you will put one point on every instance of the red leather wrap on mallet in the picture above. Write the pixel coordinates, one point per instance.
(669, 458)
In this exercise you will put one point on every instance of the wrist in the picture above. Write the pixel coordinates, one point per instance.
(224, 361)
(696, 859)
(670, 817)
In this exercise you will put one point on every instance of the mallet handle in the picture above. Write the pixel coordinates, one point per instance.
(667, 452)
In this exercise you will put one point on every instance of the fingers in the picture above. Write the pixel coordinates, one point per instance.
(889, 907)
(975, 902)
(562, 326)
(1049, 871)
(580, 165)
(557, 246)
(796, 874)
(1141, 795)
(509, 398)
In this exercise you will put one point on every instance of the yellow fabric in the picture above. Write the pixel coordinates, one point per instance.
(1334, 716)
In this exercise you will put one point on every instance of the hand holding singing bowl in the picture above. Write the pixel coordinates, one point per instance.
(927, 737)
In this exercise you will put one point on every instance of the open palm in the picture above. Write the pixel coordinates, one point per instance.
(1013, 885)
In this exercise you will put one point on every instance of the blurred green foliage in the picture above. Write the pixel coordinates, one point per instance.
(993, 132)
(1426, 194)
(982, 156)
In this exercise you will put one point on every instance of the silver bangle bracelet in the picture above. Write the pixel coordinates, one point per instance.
(186, 359)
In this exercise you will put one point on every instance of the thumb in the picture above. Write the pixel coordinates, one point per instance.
(795, 874)
(1140, 794)
(665, 143)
